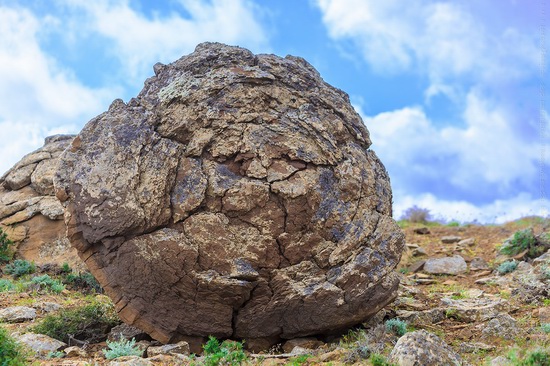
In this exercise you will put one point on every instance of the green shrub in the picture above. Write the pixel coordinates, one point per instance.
(19, 268)
(545, 327)
(65, 268)
(507, 267)
(55, 354)
(87, 323)
(5, 252)
(83, 281)
(45, 282)
(396, 326)
(122, 348)
(521, 241)
(224, 353)
(11, 353)
(532, 358)
(453, 224)
(6, 285)
(379, 360)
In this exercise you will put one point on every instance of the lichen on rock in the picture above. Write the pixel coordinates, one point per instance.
(235, 196)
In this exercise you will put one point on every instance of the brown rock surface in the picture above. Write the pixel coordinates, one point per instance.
(30, 213)
(236, 196)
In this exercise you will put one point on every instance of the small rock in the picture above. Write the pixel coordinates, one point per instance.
(472, 310)
(467, 242)
(503, 326)
(40, 343)
(451, 239)
(422, 230)
(168, 349)
(130, 361)
(172, 359)
(421, 317)
(17, 314)
(298, 351)
(49, 307)
(419, 251)
(309, 343)
(478, 264)
(127, 332)
(335, 355)
(446, 265)
(467, 347)
(544, 315)
(545, 258)
(416, 266)
(423, 348)
(501, 361)
(75, 351)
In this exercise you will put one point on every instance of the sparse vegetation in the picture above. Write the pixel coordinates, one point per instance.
(396, 326)
(379, 360)
(5, 252)
(86, 323)
(536, 357)
(122, 348)
(416, 214)
(45, 282)
(6, 285)
(19, 267)
(11, 353)
(507, 267)
(523, 240)
(83, 281)
(545, 327)
(55, 354)
(224, 353)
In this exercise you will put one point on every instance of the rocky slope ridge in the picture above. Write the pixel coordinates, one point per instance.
(476, 317)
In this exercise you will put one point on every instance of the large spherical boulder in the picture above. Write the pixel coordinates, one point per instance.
(236, 196)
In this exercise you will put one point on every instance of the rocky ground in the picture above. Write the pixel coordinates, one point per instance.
(459, 310)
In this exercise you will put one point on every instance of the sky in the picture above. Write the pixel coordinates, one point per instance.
(454, 93)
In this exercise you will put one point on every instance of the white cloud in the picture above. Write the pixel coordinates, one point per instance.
(140, 41)
(37, 95)
(441, 39)
(499, 211)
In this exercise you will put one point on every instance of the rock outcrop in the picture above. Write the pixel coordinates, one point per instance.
(30, 213)
(236, 196)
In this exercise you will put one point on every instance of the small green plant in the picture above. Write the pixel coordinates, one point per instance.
(507, 267)
(83, 281)
(19, 267)
(453, 224)
(55, 354)
(45, 282)
(6, 285)
(11, 353)
(122, 348)
(545, 327)
(521, 241)
(451, 314)
(90, 322)
(65, 268)
(224, 353)
(299, 360)
(535, 357)
(396, 326)
(5, 252)
(379, 360)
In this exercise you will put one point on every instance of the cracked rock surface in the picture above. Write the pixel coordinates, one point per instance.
(235, 196)
(30, 214)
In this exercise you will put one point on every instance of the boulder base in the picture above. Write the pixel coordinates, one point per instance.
(236, 196)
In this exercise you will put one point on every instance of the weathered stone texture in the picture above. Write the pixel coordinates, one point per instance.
(236, 196)
(30, 213)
